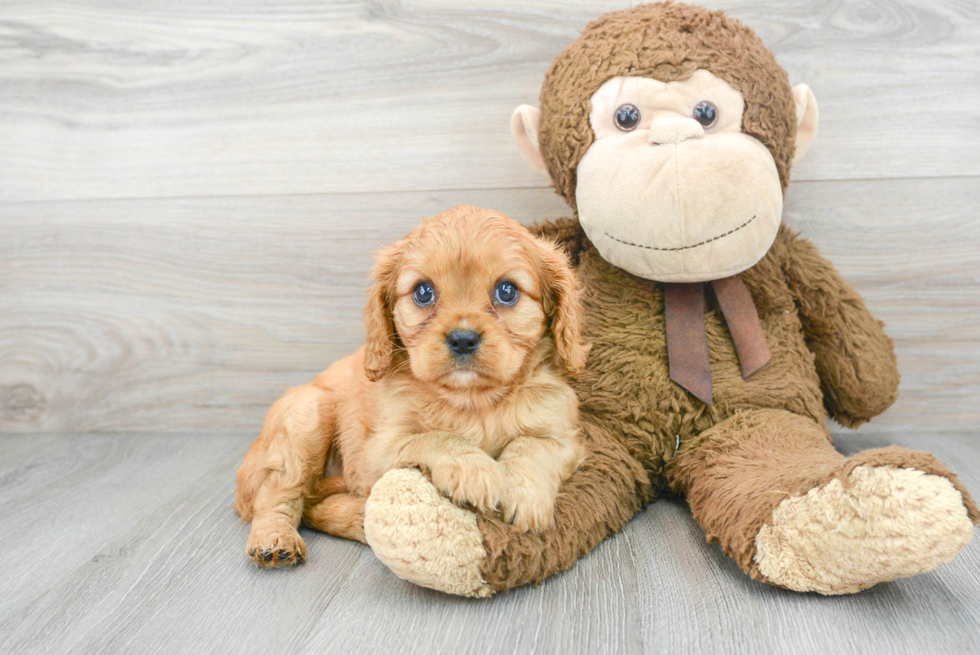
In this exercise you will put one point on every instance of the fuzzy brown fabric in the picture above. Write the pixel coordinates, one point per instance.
(667, 42)
(608, 489)
(765, 438)
(855, 386)
(736, 473)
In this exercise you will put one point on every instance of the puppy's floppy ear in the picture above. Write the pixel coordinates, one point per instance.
(562, 306)
(379, 350)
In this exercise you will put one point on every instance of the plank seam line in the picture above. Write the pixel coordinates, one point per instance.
(325, 194)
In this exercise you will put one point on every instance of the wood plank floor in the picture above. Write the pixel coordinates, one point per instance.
(127, 543)
(189, 197)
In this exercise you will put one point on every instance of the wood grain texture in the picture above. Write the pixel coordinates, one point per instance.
(172, 99)
(195, 314)
(161, 569)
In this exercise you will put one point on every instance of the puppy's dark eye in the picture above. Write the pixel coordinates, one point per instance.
(627, 117)
(506, 293)
(423, 294)
(705, 113)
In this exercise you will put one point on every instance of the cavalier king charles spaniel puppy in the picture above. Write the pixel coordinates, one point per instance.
(472, 325)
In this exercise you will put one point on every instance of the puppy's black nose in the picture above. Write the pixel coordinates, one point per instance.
(463, 342)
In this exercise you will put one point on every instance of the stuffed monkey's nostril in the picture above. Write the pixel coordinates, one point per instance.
(463, 342)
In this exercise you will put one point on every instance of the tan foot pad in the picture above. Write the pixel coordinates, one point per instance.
(889, 523)
(422, 537)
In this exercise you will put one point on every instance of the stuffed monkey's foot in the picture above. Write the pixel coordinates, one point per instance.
(880, 524)
(422, 537)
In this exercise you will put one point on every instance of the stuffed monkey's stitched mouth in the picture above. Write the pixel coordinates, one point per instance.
(715, 238)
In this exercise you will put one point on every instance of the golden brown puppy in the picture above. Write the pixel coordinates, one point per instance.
(470, 322)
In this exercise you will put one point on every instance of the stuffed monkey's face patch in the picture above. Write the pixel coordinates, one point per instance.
(671, 189)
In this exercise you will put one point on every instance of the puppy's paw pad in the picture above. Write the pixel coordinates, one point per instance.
(276, 548)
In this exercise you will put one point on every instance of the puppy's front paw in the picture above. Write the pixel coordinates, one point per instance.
(274, 544)
(474, 478)
(529, 508)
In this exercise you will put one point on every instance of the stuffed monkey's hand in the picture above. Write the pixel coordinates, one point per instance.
(423, 537)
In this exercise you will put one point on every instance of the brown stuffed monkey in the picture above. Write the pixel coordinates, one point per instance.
(721, 340)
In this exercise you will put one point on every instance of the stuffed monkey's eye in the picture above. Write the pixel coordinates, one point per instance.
(627, 117)
(423, 294)
(705, 113)
(506, 293)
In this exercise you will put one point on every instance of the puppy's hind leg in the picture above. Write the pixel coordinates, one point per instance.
(282, 465)
(340, 514)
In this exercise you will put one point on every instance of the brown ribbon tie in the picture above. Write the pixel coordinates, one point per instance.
(687, 344)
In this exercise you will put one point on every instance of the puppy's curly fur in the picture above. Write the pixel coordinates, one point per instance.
(496, 427)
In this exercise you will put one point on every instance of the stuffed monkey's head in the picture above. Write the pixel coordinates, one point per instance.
(671, 130)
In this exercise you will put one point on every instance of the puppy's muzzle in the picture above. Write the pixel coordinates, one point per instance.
(463, 342)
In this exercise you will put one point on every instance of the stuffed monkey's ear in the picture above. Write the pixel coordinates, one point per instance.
(524, 128)
(563, 307)
(379, 350)
(807, 117)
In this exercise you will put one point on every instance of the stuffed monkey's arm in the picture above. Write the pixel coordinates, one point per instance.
(854, 357)
(609, 487)
(458, 468)
(424, 538)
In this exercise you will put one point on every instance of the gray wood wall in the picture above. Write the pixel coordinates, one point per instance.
(190, 192)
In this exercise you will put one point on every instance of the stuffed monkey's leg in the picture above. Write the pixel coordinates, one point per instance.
(422, 537)
(792, 511)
